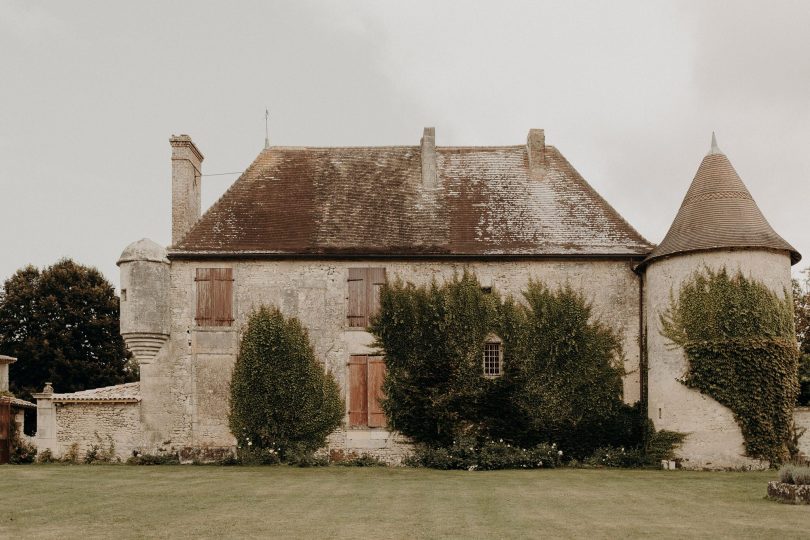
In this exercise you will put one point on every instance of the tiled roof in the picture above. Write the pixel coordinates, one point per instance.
(17, 402)
(123, 393)
(371, 201)
(719, 212)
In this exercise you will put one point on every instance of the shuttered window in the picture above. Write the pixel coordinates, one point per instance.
(364, 294)
(214, 296)
(366, 375)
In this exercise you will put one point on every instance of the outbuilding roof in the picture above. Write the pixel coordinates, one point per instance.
(120, 393)
(719, 212)
(372, 201)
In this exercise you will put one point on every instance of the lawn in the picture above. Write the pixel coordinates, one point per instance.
(58, 501)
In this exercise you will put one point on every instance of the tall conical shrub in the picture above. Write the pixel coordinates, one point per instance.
(281, 397)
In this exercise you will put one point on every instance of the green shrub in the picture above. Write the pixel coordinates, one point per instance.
(661, 446)
(99, 452)
(247, 455)
(154, 459)
(363, 460)
(562, 370)
(740, 341)
(611, 456)
(794, 474)
(489, 455)
(281, 397)
(21, 450)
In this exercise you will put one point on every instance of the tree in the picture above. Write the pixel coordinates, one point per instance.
(801, 318)
(62, 325)
(281, 397)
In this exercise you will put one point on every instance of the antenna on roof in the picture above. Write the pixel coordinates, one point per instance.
(715, 149)
(266, 128)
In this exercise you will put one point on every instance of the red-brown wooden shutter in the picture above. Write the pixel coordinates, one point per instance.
(358, 312)
(375, 279)
(376, 375)
(358, 390)
(214, 296)
(5, 429)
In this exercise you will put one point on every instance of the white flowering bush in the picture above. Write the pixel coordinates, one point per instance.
(488, 455)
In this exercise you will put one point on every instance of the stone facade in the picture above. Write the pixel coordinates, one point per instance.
(185, 388)
(801, 416)
(105, 425)
(298, 219)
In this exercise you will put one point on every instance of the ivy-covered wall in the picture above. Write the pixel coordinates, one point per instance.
(740, 344)
(715, 439)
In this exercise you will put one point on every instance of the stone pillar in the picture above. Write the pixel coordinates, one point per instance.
(4, 378)
(46, 420)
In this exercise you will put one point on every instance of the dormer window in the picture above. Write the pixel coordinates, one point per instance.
(493, 357)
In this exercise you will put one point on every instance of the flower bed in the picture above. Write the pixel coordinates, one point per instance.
(789, 493)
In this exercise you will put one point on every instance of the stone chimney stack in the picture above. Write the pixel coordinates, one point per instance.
(4, 362)
(430, 177)
(536, 146)
(186, 171)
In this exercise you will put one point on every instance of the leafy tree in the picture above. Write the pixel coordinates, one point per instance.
(62, 325)
(801, 318)
(281, 397)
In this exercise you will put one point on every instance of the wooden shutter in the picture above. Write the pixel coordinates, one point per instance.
(358, 390)
(214, 296)
(375, 279)
(357, 313)
(376, 375)
(5, 429)
(364, 294)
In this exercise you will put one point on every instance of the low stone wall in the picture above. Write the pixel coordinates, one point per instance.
(98, 424)
(801, 416)
(384, 445)
(789, 493)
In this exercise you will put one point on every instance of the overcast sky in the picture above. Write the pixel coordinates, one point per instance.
(629, 92)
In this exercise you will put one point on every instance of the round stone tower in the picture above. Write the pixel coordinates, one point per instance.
(145, 320)
(717, 226)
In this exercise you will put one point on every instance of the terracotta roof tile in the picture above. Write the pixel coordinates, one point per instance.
(371, 201)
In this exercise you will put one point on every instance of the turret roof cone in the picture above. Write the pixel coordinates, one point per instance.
(718, 212)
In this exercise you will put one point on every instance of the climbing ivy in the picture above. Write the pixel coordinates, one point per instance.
(740, 343)
(562, 368)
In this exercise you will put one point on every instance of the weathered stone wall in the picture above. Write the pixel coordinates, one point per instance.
(88, 424)
(801, 416)
(185, 389)
(714, 439)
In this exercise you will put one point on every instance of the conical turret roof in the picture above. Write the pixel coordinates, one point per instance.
(718, 212)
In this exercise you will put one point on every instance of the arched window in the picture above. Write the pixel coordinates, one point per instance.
(493, 356)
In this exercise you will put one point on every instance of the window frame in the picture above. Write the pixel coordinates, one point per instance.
(492, 339)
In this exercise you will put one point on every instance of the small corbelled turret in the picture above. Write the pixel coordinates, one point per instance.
(145, 316)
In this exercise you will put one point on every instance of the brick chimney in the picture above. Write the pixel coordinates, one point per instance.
(430, 177)
(536, 146)
(186, 170)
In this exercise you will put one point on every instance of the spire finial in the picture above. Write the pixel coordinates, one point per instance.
(266, 128)
(715, 149)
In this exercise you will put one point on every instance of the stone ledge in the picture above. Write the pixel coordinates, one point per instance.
(789, 493)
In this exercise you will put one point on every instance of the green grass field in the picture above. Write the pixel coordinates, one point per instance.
(57, 501)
